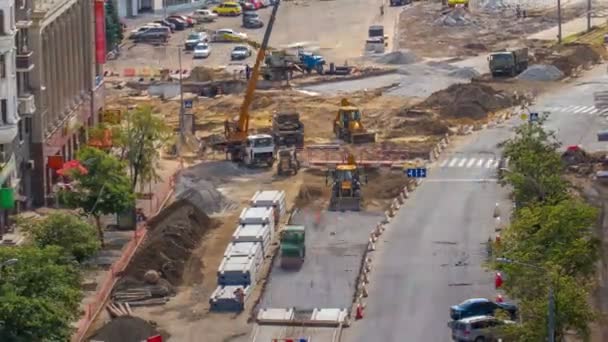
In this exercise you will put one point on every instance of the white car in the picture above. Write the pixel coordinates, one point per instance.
(240, 52)
(204, 16)
(202, 50)
(228, 35)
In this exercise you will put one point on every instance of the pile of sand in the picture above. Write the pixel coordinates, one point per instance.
(571, 56)
(172, 236)
(467, 100)
(204, 74)
(126, 329)
(541, 72)
(397, 57)
(455, 17)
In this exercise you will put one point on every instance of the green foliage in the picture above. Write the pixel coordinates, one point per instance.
(535, 166)
(74, 235)
(105, 189)
(39, 295)
(141, 138)
(114, 34)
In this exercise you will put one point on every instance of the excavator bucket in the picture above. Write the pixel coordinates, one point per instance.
(362, 138)
(345, 204)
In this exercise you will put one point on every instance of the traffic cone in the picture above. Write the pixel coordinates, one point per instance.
(359, 312)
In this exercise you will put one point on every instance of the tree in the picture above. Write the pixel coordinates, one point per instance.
(114, 34)
(535, 166)
(104, 190)
(39, 295)
(74, 235)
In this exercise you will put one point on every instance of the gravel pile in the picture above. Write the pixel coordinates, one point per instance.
(125, 329)
(493, 5)
(466, 73)
(399, 57)
(455, 17)
(541, 72)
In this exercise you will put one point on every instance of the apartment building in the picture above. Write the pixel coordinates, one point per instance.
(66, 83)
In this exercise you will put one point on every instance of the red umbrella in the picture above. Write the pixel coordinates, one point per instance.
(71, 167)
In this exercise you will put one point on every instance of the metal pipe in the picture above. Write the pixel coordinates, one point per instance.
(559, 21)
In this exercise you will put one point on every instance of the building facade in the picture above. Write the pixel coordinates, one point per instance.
(67, 85)
(15, 122)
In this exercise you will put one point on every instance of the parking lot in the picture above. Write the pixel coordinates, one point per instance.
(322, 25)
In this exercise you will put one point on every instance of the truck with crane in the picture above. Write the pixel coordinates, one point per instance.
(239, 145)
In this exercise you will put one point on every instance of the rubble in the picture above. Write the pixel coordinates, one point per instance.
(541, 72)
(397, 57)
(455, 17)
(201, 193)
(126, 329)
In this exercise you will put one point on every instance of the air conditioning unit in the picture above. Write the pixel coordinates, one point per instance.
(30, 164)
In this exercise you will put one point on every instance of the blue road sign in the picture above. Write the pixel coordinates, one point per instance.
(416, 173)
(533, 117)
(188, 104)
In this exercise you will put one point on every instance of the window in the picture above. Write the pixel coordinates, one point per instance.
(20, 130)
(4, 109)
(2, 66)
(28, 125)
(2, 30)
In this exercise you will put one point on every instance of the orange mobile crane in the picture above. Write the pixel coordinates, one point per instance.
(240, 145)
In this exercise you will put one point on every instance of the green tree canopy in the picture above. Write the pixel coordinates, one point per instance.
(104, 190)
(39, 294)
(114, 34)
(75, 235)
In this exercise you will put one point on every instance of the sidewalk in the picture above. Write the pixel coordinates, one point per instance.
(120, 245)
(568, 28)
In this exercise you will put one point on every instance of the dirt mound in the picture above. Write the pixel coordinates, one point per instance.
(541, 72)
(126, 329)
(397, 57)
(309, 193)
(172, 236)
(201, 193)
(467, 100)
(204, 74)
(570, 57)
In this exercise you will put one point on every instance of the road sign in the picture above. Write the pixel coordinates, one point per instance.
(188, 104)
(416, 173)
(533, 117)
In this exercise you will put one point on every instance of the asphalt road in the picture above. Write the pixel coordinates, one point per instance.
(431, 255)
(334, 250)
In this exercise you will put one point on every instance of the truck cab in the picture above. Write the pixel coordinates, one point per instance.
(259, 149)
(509, 63)
(376, 41)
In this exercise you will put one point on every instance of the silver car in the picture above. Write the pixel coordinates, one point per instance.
(477, 329)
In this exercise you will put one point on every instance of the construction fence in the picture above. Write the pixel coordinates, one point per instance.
(165, 191)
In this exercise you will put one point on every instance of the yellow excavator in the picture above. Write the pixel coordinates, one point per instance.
(348, 126)
(240, 146)
(345, 186)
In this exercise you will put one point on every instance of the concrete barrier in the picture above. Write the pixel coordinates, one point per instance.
(371, 246)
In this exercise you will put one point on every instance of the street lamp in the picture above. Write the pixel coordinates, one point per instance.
(551, 320)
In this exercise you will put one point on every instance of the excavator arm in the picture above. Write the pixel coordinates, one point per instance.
(242, 125)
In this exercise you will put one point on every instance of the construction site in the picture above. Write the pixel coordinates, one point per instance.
(336, 160)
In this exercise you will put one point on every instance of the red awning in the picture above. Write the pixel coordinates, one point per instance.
(105, 141)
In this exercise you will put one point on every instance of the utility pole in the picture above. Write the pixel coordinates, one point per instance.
(551, 320)
(588, 15)
(559, 21)
(181, 97)
(165, 8)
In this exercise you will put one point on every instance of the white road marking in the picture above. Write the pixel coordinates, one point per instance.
(489, 163)
(463, 180)
(569, 108)
(590, 108)
(443, 163)
(495, 164)
(471, 162)
(454, 161)
(580, 109)
(593, 111)
(480, 163)
(461, 164)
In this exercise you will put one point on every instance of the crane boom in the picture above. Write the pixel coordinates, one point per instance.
(243, 121)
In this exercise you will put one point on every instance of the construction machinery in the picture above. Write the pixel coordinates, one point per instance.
(293, 247)
(458, 3)
(288, 129)
(345, 186)
(280, 64)
(376, 40)
(288, 161)
(240, 146)
(509, 63)
(348, 125)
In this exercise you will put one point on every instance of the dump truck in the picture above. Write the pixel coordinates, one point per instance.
(288, 129)
(346, 184)
(293, 247)
(348, 125)
(508, 63)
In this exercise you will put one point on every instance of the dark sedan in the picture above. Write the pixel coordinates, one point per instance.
(180, 25)
(481, 307)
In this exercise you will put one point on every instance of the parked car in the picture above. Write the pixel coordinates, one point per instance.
(266, 3)
(478, 329)
(240, 52)
(228, 35)
(204, 16)
(202, 50)
(247, 6)
(194, 39)
(141, 29)
(154, 34)
(228, 9)
(189, 21)
(252, 20)
(257, 4)
(480, 307)
(166, 23)
(180, 24)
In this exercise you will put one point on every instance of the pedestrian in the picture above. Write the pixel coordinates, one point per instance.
(518, 11)
(382, 9)
(247, 71)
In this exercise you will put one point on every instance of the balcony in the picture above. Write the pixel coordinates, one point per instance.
(8, 132)
(27, 104)
(25, 61)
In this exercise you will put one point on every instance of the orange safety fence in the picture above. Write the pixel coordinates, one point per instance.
(94, 308)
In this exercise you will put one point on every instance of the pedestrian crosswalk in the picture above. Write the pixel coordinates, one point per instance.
(470, 162)
(573, 109)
